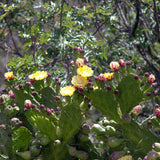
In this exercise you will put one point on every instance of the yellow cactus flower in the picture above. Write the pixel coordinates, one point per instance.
(151, 79)
(108, 76)
(67, 91)
(79, 62)
(114, 66)
(9, 75)
(127, 157)
(79, 81)
(39, 75)
(85, 71)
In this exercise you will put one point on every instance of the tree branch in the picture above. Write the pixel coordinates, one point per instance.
(137, 18)
(157, 22)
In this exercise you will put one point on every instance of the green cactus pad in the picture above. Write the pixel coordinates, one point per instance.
(130, 94)
(45, 126)
(70, 121)
(21, 139)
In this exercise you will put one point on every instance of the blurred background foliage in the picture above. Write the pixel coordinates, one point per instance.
(41, 34)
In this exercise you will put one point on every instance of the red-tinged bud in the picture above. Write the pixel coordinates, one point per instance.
(151, 79)
(20, 86)
(14, 104)
(42, 106)
(157, 112)
(149, 122)
(48, 111)
(114, 142)
(85, 59)
(76, 89)
(90, 83)
(3, 126)
(4, 90)
(79, 62)
(58, 109)
(56, 78)
(70, 73)
(109, 88)
(81, 89)
(25, 109)
(75, 48)
(128, 63)
(37, 110)
(137, 110)
(89, 105)
(91, 87)
(2, 101)
(20, 123)
(34, 106)
(136, 77)
(11, 94)
(71, 62)
(114, 66)
(122, 63)
(49, 75)
(34, 94)
(148, 93)
(146, 74)
(57, 98)
(9, 134)
(59, 82)
(101, 78)
(139, 68)
(156, 105)
(154, 85)
(155, 92)
(82, 51)
(27, 83)
(52, 109)
(28, 103)
(116, 91)
(126, 118)
(79, 49)
(96, 78)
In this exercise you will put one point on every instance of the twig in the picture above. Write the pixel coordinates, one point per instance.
(61, 15)
(123, 16)
(137, 18)
(157, 22)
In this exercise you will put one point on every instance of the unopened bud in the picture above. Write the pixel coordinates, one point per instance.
(28, 104)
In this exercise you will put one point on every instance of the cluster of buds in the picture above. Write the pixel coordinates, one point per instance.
(49, 111)
(78, 49)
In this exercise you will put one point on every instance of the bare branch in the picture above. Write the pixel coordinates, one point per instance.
(157, 21)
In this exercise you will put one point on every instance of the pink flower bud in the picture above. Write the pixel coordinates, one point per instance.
(151, 79)
(137, 109)
(157, 113)
(156, 105)
(11, 94)
(146, 74)
(79, 62)
(155, 92)
(28, 103)
(136, 77)
(101, 78)
(122, 63)
(71, 62)
(128, 63)
(114, 66)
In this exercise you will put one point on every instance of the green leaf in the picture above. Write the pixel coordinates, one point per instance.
(46, 127)
(130, 94)
(70, 121)
(21, 139)
(48, 95)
